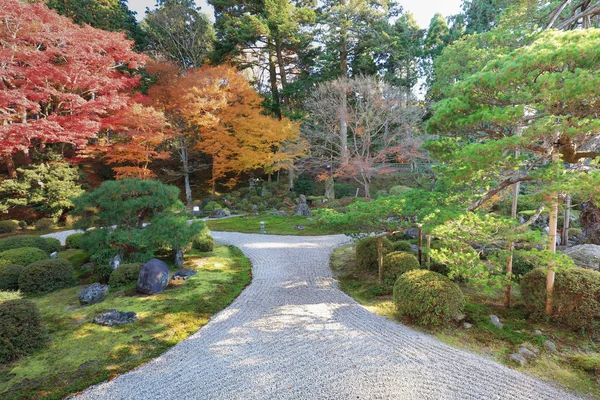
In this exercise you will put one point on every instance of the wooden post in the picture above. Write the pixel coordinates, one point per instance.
(428, 258)
(380, 258)
(552, 247)
(566, 221)
(420, 246)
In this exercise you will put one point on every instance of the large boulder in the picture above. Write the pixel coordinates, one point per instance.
(220, 213)
(585, 255)
(302, 208)
(92, 294)
(114, 317)
(154, 277)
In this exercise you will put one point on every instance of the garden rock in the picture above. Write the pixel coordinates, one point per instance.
(114, 317)
(254, 209)
(92, 294)
(585, 256)
(302, 208)
(116, 261)
(537, 332)
(280, 213)
(54, 255)
(496, 321)
(467, 325)
(220, 213)
(154, 277)
(299, 227)
(550, 346)
(518, 358)
(528, 354)
(412, 233)
(184, 274)
(179, 258)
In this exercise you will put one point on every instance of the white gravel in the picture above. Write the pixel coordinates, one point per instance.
(292, 334)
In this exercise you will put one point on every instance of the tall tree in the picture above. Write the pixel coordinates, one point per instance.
(482, 15)
(58, 80)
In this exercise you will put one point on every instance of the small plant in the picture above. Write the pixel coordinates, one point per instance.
(397, 263)
(23, 224)
(124, 274)
(22, 256)
(20, 329)
(73, 241)
(367, 253)
(46, 276)
(8, 226)
(428, 298)
(44, 224)
(9, 276)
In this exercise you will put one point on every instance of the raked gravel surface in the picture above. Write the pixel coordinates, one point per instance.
(292, 334)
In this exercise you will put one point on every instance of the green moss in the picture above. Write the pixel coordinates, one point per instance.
(274, 225)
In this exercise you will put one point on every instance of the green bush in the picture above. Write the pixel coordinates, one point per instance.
(73, 241)
(20, 329)
(428, 298)
(576, 301)
(76, 257)
(46, 276)
(44, 224)
(366, 252)
(521, 266)
(22, 256)
(586, 362)
(8, 226)
(397, 263)
(9, 276)
(401, 245)
(204, 242)
(398, 190)
(574, 232)
(343, 190)
(211, 206)
(49, 245)
(124, 274)
(22, 224)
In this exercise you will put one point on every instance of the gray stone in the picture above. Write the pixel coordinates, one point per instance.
(414, 248)
(303, 199)
(220, 213)
(114, 317)
(299, 227)
(518, 358)
(179, 258)
(302, 209)
(254, 209)
(392, 220)
(116, 261)
(154, 277)
(537, 332)
(467, 325)
(196, 211)
(550, 346)
(525, 352)
(54, 255)
(585, 255)
(92, 294)
(496, 321)
(184, 274)
(280, 213)
(412, 233)
(460, 317)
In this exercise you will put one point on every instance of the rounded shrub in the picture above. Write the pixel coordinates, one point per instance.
(397, 263)
(22, 256)
(401, 245)
(20, 329)
(367, 254)
(44, 224)
(9, 276)
(398, 190)
(428, 298)
(211, 206)
(576, 301)
(124, 274)
(49, 245)
(8, 226)
(73, 241)
(204, 243)
(46, 276)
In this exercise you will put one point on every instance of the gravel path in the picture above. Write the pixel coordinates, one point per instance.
(292, 334)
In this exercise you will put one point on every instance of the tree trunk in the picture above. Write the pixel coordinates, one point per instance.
(10, 165)
(566, 221)
(282, 73)
(380, 258)
(291, 178)
(343, 113)
(367, 189)
(511, 247)
(273, 81)
(420, 246)
(552, 225)
(186, 171)
(214, 180)
(329, 190)
(428, 258)
(590, 223)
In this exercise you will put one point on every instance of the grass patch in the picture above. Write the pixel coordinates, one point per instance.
(274, 225)
(576, 367)
(80, 353)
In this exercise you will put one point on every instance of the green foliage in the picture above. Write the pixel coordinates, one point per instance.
(211, 206)
(574, 232)
(76, 257)
(46, 276)
(398, 190)
(20, 329)
(8, 226)
(396, 264)
(367, 253)
(305, 184)
(171, 232)
(401, 245)
(9, 276)
(521, 265)
(44, 224)
(343, 190)
(22, 256)
(49, 245)
(576, 301)
(588, 363)
(124, 274)
(428, 298)
(73, 241)
(48, 187)
(204, 241)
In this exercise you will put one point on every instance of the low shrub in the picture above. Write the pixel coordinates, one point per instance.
(401, 245)
(574, 232)
(367, 254)
(73, 241)
(22, 256)
(428, 298)
(585, 362)
(8, 226)
(20, 329)
(397, 263)
(9, 276)
(576, 301)
(204, 242)
(46, 276)
(23, 224)
(76, 257)
(398, 190)
(44, 224)
(49, 245)
(124, 274)
(521, 266)
(211, 206)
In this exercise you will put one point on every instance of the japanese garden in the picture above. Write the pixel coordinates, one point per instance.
(299, 199)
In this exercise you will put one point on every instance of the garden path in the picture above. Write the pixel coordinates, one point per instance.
(292, 334)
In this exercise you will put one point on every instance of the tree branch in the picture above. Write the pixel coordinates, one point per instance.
(593, 9)
(492, 192)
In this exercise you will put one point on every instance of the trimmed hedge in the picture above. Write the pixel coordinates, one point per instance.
(125, 274)
(366, 252)
(9, 276)
(20, 329)
(397, 263)
(401, 245)
(73, 241)
(22, 256)
(8, 226)
(428, 298)
(49, 245)
(576, 296)
(46, 276)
